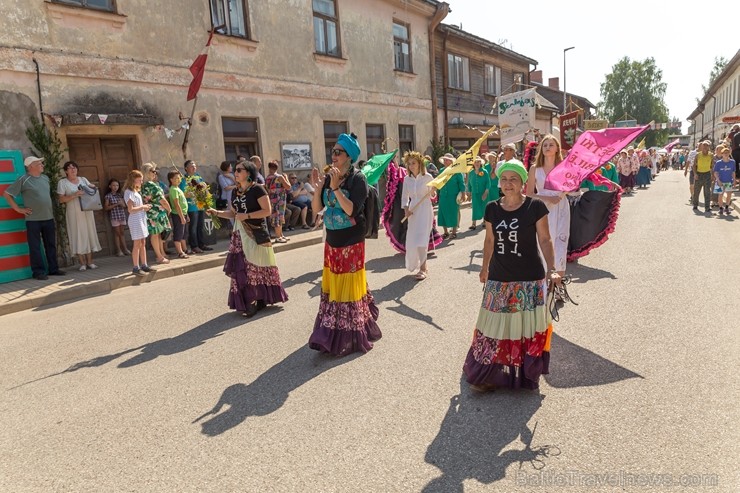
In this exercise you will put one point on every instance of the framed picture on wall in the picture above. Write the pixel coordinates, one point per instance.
(296, 155)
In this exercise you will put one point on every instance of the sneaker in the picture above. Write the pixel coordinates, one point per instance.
(727, 210)
(146, 268)
(138, 272)
(41, 277)
(83, 268)
(206, 249)
(120, 254)
(721, 211)
(92, 266)
(57, 273)
(695, 208)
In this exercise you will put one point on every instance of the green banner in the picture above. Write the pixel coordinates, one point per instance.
(375, 167)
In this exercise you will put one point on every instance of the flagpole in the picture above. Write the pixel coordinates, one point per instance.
(417, 205)
(187, 130)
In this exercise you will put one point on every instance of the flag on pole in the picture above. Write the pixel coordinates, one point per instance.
(198, 68)
(591, 151)
(641, 145)
(375, 167)
(462, 164)
(671, 145)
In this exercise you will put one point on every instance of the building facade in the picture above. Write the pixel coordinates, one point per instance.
(719, 109)
(282, 80)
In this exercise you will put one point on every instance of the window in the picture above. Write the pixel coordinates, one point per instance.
(458, 72)
(109, 5)
(233, 14)
(240, 137)
(375, 136)
(493, 80)
(401, 46)
(326, 28)
(406, 138)
(332, 130)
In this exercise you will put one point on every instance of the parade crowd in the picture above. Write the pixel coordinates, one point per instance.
(531, 232)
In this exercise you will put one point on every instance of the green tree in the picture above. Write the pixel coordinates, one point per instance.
(47, 145)
(719, 66)
(636, 89)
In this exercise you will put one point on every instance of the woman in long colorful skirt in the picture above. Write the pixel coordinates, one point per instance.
(511, 341)
(250, 262)
(347, 316)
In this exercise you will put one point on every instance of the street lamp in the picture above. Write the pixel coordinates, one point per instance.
(564, 95)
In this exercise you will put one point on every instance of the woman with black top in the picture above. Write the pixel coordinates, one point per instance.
(347, 312)
(250, 262)
(511, 341)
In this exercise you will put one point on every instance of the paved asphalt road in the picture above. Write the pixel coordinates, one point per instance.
(159, 388)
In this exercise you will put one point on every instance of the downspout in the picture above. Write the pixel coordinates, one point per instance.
(441, 13)
(714, 118)
(444, 84)
(38, 88)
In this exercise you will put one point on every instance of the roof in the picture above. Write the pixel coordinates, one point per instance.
(729, 70)
(558, 94)
(486, 44)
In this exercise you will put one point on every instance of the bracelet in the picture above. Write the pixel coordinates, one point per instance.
(334, 189)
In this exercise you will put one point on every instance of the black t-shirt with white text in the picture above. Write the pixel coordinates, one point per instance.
(516, 254)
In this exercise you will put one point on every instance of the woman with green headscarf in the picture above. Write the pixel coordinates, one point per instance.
(511, 341)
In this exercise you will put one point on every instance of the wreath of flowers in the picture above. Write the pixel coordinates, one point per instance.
(203, 198)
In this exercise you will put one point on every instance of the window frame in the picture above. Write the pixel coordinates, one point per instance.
(402, 141)
(372, 142)
(82, 5)
(244, 140)
(229, 31)
(330, 140)
(401, 41)
(452, 61)
(493, 78)
(324, 18)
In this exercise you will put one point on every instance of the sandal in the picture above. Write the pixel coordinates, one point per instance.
(284, 238)
(280, 240)
(163, 261)
(445, 235)
(183, 255)
(453, 236)
(421, 276)
(251, 311)
(472, 227)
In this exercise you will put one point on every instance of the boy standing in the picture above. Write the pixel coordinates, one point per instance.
(724, 177)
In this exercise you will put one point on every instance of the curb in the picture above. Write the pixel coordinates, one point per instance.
(109, 284)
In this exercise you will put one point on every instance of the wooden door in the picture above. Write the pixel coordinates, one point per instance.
(99, 161)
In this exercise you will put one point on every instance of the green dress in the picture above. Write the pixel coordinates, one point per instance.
(608, 171)
(479, 182)
(448, 210)
(493, 193)
(157, 218)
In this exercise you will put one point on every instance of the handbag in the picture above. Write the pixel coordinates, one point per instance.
(90, 200)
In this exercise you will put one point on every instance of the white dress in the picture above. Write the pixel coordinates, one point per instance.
(83, 237)
(136, 220)
(415, 190)
(558, 219)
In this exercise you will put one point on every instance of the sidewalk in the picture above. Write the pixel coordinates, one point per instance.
(115, 272)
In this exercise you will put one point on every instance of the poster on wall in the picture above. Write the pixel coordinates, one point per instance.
(296, 155)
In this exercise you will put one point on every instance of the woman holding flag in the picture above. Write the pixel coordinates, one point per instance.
(479, 183)
(347, 316)
(416, 200)
(511, 341)
(448, 210)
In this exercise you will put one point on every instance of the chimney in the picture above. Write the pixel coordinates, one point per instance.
(536, 76)
(554, 83)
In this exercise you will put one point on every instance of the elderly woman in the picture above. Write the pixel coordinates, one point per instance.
(448, 210)
(347, 316)
(158, 216)
(479, 183)
(511, 341)
(83, 237)
(250, 262)
(277, 188)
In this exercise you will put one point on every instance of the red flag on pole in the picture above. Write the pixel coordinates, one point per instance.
(198, 68)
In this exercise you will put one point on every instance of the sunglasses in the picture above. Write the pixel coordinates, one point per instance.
(338, 152)
(239, 170)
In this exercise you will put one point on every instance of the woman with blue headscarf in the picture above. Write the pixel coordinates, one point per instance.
(347, 316)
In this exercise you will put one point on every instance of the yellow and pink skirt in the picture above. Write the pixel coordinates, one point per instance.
(347, 316)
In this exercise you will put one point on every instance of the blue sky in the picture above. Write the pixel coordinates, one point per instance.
(636, 29)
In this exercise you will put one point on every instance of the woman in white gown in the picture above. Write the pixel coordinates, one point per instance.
(548, 156)
(416, 201)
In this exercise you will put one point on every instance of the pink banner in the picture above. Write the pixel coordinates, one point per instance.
(671, 145)
(592, 150)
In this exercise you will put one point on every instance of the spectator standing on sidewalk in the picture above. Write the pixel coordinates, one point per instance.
(196, 234)
(703, 165)
(137, 210)
(178, 214)
(724, 176)
(33, 187)
(81, 231)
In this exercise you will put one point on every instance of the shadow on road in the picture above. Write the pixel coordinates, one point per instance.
(163, 347)
(574, 366)
(583, 273)
(269, 391)
(474, 433)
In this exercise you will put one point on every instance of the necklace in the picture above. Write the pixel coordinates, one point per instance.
(241, 192)
(512, 207)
